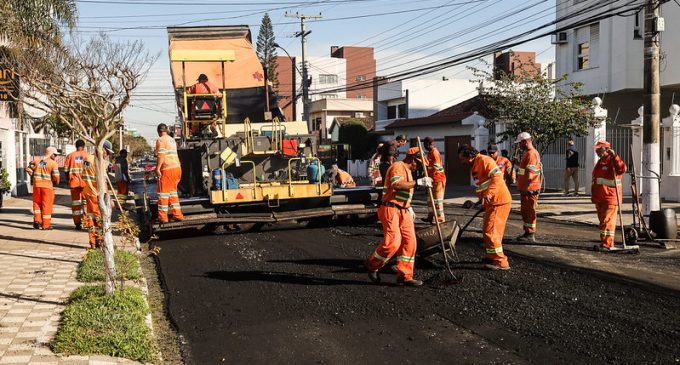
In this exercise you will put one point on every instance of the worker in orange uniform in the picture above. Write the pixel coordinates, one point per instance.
(496, 200)
(396, 216)
(342, 178)
(122, 176)
(529, 175)
(203, 86)
(74, 170)
(606, 185)
(435, 169)
(90, 192)
(169, 173)
(503, 163)
(44, 171)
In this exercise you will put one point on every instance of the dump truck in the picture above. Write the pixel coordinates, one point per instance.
(243, 163)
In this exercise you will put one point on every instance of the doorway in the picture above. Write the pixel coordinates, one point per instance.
(456, 172)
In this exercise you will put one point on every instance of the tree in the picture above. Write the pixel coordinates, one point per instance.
(86, 86)
(139, 146)
(32, 22)
(266, 51)
(354, 132)
(532, 102)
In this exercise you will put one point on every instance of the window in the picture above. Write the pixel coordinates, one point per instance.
(328, 79)
(402, 111)
(583, 56)
(392, 112)
(361, 97)
(359, 115)
(361, 78)
(328, 96)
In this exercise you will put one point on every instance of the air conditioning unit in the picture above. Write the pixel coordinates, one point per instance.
(559, 38)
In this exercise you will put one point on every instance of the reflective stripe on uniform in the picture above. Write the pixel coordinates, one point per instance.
(608, 233)
(483, 186)
(520, 171)
(163, 208)
(76, 213)
(395, 179)
(163, 195)
(494, 171)
(383, 259)
(403, 195)
(530, 225)
(607, 182)
(494, 250)
(438, 167)
(406, 258)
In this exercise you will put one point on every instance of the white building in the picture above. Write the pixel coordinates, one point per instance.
(607, 55)
(418, 98)
(327, 73)
(323, 112)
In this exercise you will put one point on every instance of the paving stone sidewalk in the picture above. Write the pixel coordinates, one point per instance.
(37, 275)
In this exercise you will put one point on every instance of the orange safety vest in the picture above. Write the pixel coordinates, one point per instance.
(203, 88)
(530, 171)
(489, 180)
(166, 151)
(435, 165)
(74, 168)
(44, 171)
(605, 180)
(345, 180)
(397, 171)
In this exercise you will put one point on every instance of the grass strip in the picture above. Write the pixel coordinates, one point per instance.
(91, 269)
(113, 325)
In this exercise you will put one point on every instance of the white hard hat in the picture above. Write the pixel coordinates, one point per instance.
(522, 136)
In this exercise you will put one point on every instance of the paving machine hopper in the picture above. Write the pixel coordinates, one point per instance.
(242, 162)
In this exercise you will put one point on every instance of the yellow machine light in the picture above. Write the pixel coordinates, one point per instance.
(202, 55)
(228, 156)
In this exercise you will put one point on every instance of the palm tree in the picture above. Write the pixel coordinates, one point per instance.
(32, 22)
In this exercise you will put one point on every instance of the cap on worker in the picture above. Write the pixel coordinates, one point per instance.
(51, 150)
(522, 136)
(602, 143)
(428, 140)
(202, 77)
(108, 147)
(492, 148)
(413, 151)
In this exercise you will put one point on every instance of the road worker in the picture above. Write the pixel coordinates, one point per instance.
(74, 170)
(342, 178)
(122, 176)
(496, 200)
(503, 163)
(435, 170)
(90, 192)
(396, 216)
(389, 154)
(606, 186)
(169, 174)
(44, 171)
(203, 86)
(529, 175)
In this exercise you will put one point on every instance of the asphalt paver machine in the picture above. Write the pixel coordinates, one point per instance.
(242, 161)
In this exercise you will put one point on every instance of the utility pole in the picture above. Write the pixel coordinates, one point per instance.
(305, 79)
(651, 164)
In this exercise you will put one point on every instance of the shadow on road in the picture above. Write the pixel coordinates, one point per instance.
(279, 277)
(43, 242)
(30, 299)
(39, 258)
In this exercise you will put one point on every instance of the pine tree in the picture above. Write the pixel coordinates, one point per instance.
(266, 51)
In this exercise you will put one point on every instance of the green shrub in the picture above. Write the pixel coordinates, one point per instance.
(114, 325)
(91, 269)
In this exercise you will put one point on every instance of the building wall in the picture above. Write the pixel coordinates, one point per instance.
(360, 70)
(516, 63)
(287, 75)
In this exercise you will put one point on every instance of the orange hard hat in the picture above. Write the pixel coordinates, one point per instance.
(602, 143)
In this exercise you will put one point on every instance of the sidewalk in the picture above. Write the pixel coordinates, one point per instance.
(37, 277)
(555, 206)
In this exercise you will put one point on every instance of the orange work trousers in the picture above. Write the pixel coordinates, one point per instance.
(168, 199)
(606, 213)
(438, 193)
(495, 219)
(93, 220)
(399, 238)
(123, 188)
(77, 205)
(43, 204)
(529, 204)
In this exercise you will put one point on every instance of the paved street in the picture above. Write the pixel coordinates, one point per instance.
(292, 295)
(38, 275)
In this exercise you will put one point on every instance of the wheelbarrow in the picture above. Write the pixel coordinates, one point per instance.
(428, 238)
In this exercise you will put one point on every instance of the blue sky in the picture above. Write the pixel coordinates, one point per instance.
(404, 33)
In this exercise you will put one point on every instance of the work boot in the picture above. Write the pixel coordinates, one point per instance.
(46, 228)
(374, 277)
(79, 227)
(412, 282)
(493, 267)
(36, 225)
(527, 237)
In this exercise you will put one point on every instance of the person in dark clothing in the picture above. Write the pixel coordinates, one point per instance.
(571, 170)
(389, 153)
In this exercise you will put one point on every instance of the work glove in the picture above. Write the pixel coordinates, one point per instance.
(424, 182)
(611, 152)
(412, 213)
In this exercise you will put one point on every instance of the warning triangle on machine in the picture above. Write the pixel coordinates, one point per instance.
(205, 106)
(239, 196)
